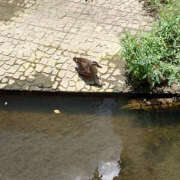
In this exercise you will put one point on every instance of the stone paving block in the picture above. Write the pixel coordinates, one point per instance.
(55, 85)
(39, 67)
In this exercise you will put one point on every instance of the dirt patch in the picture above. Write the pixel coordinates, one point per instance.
(151, 7)
(11, 8)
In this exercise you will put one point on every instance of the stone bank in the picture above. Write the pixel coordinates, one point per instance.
(39, 38)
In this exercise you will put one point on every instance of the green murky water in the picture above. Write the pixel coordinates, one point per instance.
(91, 137)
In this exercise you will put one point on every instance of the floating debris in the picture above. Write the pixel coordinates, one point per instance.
(57, 111)
(5, 103)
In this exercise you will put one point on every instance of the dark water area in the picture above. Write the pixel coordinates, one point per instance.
(91, 139)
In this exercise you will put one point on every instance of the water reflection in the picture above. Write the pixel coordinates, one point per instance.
(108, 170)
(68, 146)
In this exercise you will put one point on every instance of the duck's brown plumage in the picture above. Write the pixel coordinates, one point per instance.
(86, 67)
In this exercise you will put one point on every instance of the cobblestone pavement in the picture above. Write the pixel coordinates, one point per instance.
(39, 38)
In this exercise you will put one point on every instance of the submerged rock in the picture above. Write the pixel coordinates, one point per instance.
(154, 104)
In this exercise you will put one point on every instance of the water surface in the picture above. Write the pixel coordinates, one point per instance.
(91, 137)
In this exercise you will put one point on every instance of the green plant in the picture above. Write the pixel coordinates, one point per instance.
(153, 58)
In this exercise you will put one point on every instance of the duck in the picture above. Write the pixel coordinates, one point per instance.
(87, 69)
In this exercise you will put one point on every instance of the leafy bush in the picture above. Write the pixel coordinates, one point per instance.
(154, 57)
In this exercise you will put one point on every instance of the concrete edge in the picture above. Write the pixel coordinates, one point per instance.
(90, 94)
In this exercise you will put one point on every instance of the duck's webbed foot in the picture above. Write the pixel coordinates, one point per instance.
(76, 68)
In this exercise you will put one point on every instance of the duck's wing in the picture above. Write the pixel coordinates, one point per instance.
(85, 67)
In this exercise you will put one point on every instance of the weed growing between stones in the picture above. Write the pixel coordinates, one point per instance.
(153, 58)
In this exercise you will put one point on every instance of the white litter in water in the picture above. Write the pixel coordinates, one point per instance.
(5, 103)
(57, 111)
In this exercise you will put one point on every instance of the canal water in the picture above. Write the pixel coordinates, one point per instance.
(91, 138)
